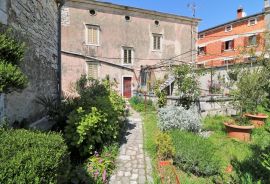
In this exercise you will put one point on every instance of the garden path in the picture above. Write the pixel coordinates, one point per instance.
(133, 165)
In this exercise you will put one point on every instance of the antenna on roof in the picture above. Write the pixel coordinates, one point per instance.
(192, 6)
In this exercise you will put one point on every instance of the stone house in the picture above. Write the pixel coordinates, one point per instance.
(130, 45)
(36, 22)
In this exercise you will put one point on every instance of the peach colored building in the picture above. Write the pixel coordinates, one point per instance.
(221, 45)
(102, 39)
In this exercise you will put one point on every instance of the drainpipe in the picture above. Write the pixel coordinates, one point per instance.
(59, 3)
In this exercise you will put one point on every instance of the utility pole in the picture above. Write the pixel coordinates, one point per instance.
(192, 6)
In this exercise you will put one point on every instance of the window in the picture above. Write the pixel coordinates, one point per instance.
(228, 45)
(252, 40)
(92, 70)
(127, 18)
(228, 28)
(201, 36)
(200, 65)
(92, 35)
(229, 61)
(92, 12)
(157, 41)
(127, 55)
(252, 22)
(202, 50)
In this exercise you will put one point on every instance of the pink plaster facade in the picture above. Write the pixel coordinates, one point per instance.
(178, 36)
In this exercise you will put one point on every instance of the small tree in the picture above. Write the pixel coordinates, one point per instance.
(186, 80)
(249, 91)
(11, 55)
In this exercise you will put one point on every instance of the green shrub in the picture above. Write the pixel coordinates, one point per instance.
(97, 119)
(195, 154)
(11, 55)
(165, 149)
(137, 103)
(32, 157)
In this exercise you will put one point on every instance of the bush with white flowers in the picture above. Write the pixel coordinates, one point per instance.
(177, 117)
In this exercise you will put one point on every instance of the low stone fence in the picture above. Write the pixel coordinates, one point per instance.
(208, 105)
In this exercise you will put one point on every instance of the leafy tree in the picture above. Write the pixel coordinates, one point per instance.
(11, 55)
(186, 80)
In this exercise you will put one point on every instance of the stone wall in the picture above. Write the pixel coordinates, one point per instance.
(36, 22)
(3, 11)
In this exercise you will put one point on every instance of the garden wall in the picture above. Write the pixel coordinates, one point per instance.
(209, 105)
(36, 23)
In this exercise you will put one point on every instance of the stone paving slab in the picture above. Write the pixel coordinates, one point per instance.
(133, 165)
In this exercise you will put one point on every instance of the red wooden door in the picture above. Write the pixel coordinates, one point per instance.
(127, 87)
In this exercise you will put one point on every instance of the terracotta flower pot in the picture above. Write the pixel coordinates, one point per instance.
(229, 168)
(167, 172)
(239, 132)
(257, 119)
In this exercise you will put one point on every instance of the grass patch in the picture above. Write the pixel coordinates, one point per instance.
(150, 132)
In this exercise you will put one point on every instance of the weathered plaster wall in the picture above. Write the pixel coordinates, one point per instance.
(74, 67)
(116, 32)
(3, 11)
(35, 21)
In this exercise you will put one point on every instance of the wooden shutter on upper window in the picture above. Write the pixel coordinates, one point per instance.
(95, 35)
(90, 35)
(205, 50)
(129, 56)
(258, 40)
(158, 42)
(222, 46)
(232, 44)
(125, 56)
(246, 41)
(155, 42)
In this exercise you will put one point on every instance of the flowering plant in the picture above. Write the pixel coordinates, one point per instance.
(100, 166)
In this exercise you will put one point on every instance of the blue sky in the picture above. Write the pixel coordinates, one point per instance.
(213, 12)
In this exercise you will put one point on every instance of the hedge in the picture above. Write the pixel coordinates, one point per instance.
(32, 157)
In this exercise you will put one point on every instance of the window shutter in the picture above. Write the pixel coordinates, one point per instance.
(129, 56)
(94, 35)
(205, 50)
(232, 44)
(90, 38)
(158, 44)
(155, 42)
(125, 56)
(246, 41)
(258, 39)
(93, 70)
(222, 46)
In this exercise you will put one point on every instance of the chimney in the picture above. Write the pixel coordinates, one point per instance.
(266, 3)
(240, 12)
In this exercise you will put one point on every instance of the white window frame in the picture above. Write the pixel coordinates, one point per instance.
(229, 49)
(87, 26)
(230, 28)
(249, 21)
(132, 55)
(153, 39)
(252, 45)
(203, 53)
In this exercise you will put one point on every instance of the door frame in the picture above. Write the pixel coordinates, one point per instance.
(122, 90)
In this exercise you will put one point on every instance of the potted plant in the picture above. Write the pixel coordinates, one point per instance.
(239, 128)
(249, 94)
